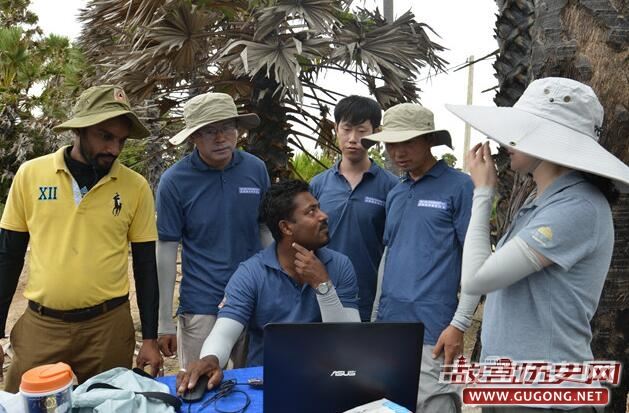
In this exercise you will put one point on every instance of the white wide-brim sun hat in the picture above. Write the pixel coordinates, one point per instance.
(556, 120)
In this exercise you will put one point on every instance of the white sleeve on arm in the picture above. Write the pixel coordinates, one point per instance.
(222, 339)
(483, 271)
(332, 310)
(465, 311)
(166, 273)
(376, 301)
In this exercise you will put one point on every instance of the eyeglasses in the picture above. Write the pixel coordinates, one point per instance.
(213, 130)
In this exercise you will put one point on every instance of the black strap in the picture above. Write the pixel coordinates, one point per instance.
(167, 398)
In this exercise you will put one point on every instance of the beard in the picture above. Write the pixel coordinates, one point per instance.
(101, 162)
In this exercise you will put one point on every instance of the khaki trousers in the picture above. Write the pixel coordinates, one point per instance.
(432, 396)
(89, 347)
(193, 329)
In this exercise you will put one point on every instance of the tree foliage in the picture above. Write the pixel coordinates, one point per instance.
(267, 54)
(39, 75)
(305, 167)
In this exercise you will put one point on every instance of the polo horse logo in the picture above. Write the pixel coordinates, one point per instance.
(117, 205)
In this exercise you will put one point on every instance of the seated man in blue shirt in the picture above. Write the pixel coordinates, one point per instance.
(294, 280)
(427, 217)
(353, 194)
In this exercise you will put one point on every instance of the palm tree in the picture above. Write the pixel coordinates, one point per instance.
(587, 41)
(267, 54)
(30, 63)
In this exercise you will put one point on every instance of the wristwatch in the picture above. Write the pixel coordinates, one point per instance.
(323, 288)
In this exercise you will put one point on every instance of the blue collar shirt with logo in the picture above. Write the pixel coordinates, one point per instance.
(571, 224)
(426, 224)
(260, 292)
(214, 213)
(356, 222)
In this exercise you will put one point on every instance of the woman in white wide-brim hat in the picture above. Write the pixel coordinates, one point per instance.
(545, 279)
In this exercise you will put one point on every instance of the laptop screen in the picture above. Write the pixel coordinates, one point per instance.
(333, 367)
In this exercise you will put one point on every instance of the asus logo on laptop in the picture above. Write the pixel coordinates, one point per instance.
(343, 373)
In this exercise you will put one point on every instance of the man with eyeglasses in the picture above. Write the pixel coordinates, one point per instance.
(209, 202)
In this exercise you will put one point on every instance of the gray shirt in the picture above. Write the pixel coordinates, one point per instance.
(546, 315)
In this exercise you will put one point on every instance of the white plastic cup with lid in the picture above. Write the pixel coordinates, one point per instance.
(47, 389)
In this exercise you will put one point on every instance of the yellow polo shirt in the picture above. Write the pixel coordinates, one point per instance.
(79, 246)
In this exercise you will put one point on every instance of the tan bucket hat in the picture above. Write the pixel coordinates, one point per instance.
(557, 120)
(406, 121)
(100, 103)
(208, 108)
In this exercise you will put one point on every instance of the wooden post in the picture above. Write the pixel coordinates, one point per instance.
(387, 10)
(468, 130)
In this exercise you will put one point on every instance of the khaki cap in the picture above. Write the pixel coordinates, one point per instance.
(209, 108)
(406, 121)
(100, 103)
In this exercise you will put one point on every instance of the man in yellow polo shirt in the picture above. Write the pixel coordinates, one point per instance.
(81, 208)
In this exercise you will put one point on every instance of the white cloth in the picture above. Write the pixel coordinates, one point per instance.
(482, 271)
(166, 252)
(123, 400)
(332, 310)
(192, 330)
(221, 339)
(376, 301)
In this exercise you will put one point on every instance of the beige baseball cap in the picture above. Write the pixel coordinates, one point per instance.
(406, 121)
(209, 108)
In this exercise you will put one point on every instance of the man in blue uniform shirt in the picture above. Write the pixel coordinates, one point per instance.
(209, 202)
(295, 280)
(353, 194)
(427, 217)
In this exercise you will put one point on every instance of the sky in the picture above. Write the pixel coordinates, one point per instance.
(464, 27)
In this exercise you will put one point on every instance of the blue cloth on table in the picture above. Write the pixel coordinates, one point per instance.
(230, 402)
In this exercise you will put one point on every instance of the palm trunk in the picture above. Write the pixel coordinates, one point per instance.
(587, 40)
(269, 141)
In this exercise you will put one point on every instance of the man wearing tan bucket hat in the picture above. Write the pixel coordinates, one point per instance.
(80, 208)
(209, 202)
(427, 217)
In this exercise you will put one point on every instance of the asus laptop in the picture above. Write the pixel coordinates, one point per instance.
(333, 367)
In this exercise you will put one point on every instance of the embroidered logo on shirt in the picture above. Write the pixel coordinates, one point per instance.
(47, 193)
(374, 201)
(249, 190)
(427, 203)
(117, 205)
(543, 235)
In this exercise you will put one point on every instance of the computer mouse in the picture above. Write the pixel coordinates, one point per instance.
(197, 392)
